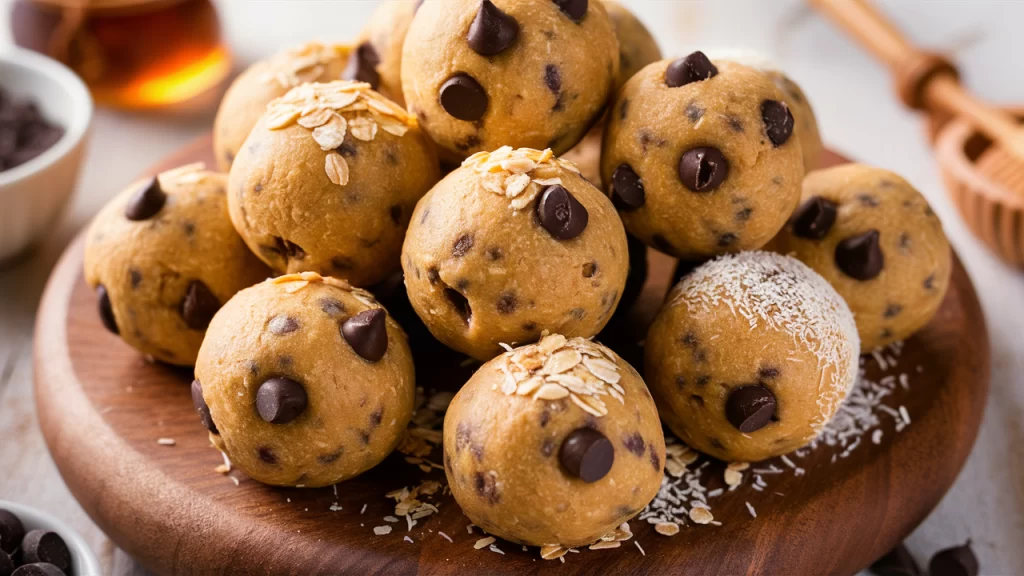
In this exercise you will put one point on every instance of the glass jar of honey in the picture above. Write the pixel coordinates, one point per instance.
(131, 53)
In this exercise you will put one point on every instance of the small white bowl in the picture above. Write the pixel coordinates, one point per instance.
(83, 561)
(33, 195)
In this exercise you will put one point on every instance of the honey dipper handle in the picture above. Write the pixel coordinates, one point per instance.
(924, 81)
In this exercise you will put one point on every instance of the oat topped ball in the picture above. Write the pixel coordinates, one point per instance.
(480, 74)
(327, 180)
(554, 444)
(248, 96)
(512, 243)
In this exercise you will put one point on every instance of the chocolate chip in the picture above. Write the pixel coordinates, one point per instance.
(574, 9)
(462, 245)
(897, 562)
(106, 309)
(282, 324)
(560, 213)
(492, 31)
(553, 78)
(330, 458)
(929, 282)
(280, 400)
(362, 65)
(627, 188)
(507, 303)
(703, 169)
(744, 214)
(376, 417)
(135, 277)
(868, 200)
(289, 249)
(860, 256)
(495, 253)
(778, 121)
(463, 97)
(200, 405)
(38, 569)
(331, 306)
(768, 373)
(814, 218)
(146, 202)
(655, 460)
(11, 531)
(892, 310)
(750, 408)
(693, 112)
(635, 444)
(727, 239)
(45, 546)
(198, 306)
(367, 333)
(586, 454)
(267, 455)
(487, 487)
(693, 68)
(589, 269)
(956, 561)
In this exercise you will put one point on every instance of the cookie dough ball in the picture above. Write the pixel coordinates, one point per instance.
(248, 96)
(380, 46)
(527, 73)
(637, 47)
(751, 356)
(304, 381)
(700, 158)
(513, 243)
(163, 257)
(555, 443)
(805, 125)
(878, 242)
(327, 180)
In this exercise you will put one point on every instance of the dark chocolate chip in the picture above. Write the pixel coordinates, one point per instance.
(282, 324)
(627, 188)
(860, 257)
(376, 417)
(693, 68)
(330, 458)
(868, 200)
(703, 380)
(147, 202)
(492, 31)
(280, 400)
(463, 97)
(814, 218)
(635, 444)
(507, 303)
(744, 214)
(11, 531)
(586, 454)
(589, 269)
(956, 561)
(266, 454)
(929, 282)
(680, 382)
(768, 373)
(45, 546)
(331, 306)
(487, 487)
(574, 9)
(655, 460)
(727, 239)
(462, 245)
(362, 65)
(200, 405)
(892, 310)
(750, 408)
(198, 306)
(38, 569)
(897, 562)
(367, 333)
(778, 121)
(693, 112)
(703, 169)
(495, 253)
(553, 78)
(560, 213)
(578, 313)
(106, 309)
(135, 277)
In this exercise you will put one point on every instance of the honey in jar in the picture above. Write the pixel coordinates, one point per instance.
(131, 53)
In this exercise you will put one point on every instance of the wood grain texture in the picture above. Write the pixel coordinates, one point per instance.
(102, 409)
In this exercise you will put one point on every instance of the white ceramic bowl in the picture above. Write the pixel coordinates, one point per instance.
(33, 195)
(83, 561)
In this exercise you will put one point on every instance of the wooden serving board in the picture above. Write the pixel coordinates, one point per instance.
(102, 409)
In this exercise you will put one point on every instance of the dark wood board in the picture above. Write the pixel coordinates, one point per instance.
(102, 409)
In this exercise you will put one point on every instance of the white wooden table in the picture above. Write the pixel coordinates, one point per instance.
(858, 115)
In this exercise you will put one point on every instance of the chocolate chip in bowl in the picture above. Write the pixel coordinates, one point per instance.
(24, 132)
(33, 543)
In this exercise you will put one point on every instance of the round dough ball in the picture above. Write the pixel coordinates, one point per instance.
(382, 39)
(637, 47)
(331, 191)
(700, 158)
(482, 74)
(555, 443)
(162, 257)
(248, 96)
(751, 356)
(304, 381)
(878, 242)
(805, 124)
(509, 245)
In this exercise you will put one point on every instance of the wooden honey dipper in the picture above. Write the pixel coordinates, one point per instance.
(980, 148)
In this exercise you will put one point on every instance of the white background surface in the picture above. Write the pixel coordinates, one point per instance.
(858, 114)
